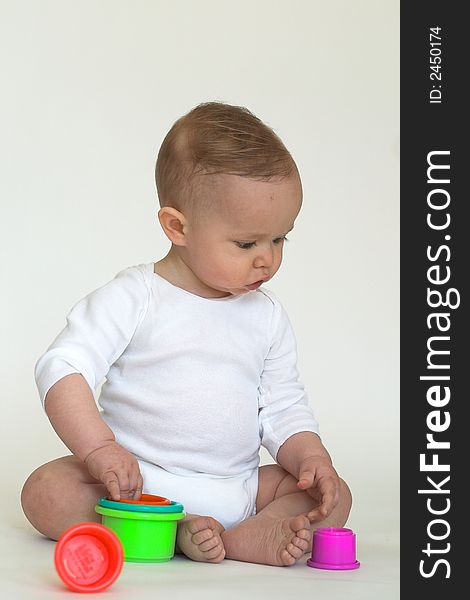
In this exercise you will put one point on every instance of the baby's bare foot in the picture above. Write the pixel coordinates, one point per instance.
(199, 539)
(269, 540)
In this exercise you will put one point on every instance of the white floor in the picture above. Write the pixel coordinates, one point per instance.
(27, 573)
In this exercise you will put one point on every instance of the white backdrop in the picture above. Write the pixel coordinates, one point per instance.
(89, 89)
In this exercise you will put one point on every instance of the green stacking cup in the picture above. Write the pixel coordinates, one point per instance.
(145, 536)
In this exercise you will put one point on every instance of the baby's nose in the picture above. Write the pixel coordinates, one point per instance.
(265, 258)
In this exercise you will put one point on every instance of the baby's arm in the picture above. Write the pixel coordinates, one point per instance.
(287, 425)
(98, 330)
(73, 413)
(304, 456)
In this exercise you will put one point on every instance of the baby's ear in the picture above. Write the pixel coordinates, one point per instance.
(173, 223)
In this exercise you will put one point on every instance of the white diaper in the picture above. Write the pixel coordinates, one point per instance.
(227, 499)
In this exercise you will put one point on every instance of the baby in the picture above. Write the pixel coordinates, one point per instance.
(199, 362)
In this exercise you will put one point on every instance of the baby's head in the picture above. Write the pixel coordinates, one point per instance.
(229, 192)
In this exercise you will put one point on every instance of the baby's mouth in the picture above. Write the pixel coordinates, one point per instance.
(255, 285)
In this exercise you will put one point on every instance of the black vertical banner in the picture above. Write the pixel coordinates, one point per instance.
(435, 269)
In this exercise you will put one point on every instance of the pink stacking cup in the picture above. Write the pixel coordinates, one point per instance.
(333, 548)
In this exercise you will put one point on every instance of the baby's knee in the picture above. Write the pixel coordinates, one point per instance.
(35, 494)
(60, 494)
(42, 495)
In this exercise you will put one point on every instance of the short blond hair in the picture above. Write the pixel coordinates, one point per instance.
(217, 138)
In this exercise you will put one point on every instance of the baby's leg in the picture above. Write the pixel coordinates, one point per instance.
(280, 533)
(60, 494)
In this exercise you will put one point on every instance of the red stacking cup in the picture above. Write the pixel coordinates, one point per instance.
(88, 557)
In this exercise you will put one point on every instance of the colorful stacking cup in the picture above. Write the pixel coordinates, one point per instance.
(148, 500)
(333, 548)
(171, 507)
(88, 557)
(147, 531)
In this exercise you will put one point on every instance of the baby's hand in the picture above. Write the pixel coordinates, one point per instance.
(319, 479)
(117, 469)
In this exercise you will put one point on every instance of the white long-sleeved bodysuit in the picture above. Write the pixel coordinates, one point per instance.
(193, 385)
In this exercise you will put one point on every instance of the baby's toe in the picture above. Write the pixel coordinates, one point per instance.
(305, 534)
(209, 544)
(287, 558)
(200, 524)
(214, 553)
(300, 523)
(202, 536)
(294, 551)
(301, 527)
(301, 543)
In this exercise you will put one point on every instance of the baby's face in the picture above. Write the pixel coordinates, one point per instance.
(238, 246)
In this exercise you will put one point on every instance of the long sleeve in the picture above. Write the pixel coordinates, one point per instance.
(99, 327)
(282, 402)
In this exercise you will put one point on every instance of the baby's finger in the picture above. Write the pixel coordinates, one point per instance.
(327, 504)
(139, 487)
(127, 491)
(111, 482)
(315, 515)
(134, 482)
(306, 480)
(322, 510)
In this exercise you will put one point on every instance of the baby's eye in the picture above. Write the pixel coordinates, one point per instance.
(248, 245)
(245, 245)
